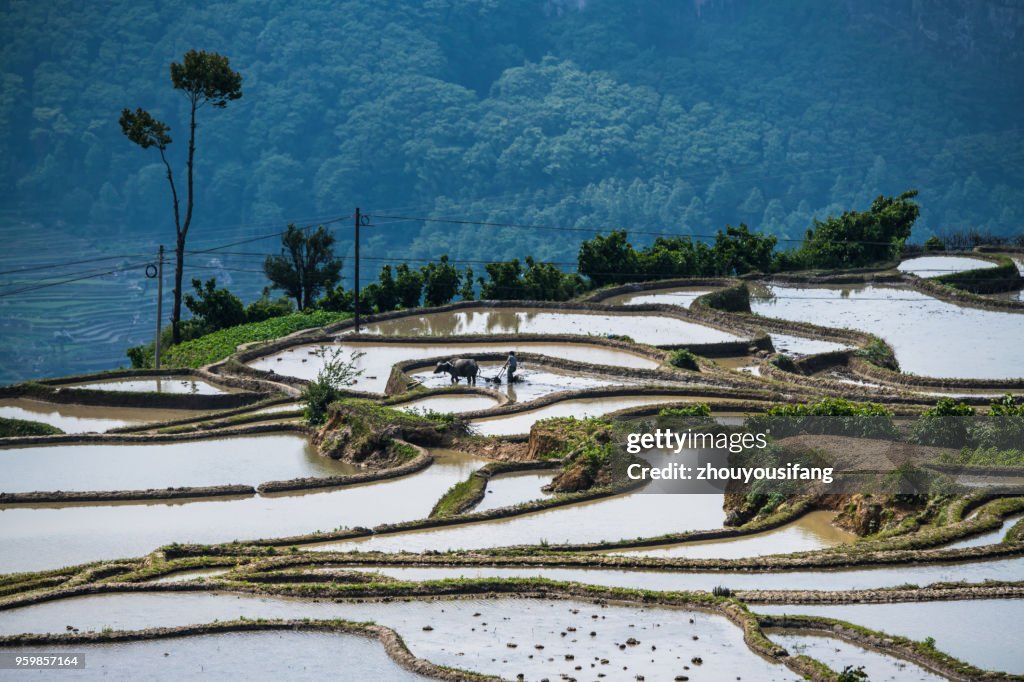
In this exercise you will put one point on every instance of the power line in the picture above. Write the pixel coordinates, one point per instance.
(69, 281)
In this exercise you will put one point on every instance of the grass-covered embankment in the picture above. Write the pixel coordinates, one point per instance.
(221, 344)
(14, 428)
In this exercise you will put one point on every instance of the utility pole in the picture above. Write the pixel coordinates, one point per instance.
(159, 305)
(355, 298)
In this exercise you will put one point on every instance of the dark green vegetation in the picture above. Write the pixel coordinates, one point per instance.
(652, 114)
(305, 266)
(23, 427)
(220, 344)
(670, 119)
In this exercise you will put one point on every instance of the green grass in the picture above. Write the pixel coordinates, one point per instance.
(22, 427)
(221, 344)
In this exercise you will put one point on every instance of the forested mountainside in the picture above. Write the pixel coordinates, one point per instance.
(650, 114)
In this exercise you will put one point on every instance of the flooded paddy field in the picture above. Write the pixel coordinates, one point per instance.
(680, 296)
(509, 489)
(169, 384)
(233, 655)
(185, 576)
(809, 532)
(991, 537)
(274, 409)
(456, 402)
(650, 328)
(520, 422)
(963, 629)
(504, 636)
(976, 344)
(532, 381)
(48, 536)
(247, 460)
(378, 358)
(616, 518)
(86, 418)
(936, 266)
(801, 345)
(837, 654)
(849, 579)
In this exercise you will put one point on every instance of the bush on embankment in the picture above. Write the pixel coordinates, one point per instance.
(366, 432)
(1002, 277)
(22, 427)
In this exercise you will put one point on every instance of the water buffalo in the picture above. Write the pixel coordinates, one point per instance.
(459, 369)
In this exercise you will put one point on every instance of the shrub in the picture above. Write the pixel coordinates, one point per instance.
(336, 374)
(944, 425)
(878, 352)
(695, 410)
(684, 359)
(934, 243)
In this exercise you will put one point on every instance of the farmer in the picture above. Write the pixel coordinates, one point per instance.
(511, 364)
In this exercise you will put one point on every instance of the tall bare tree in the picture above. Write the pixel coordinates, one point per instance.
(204, 78)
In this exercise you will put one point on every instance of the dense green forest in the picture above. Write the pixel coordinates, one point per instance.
(665, 117)
(655, 114)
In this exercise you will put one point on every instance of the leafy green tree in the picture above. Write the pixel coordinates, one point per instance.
(934, 243)
(265, 308)
(676, 257)
(739, 251)
(408, 285)
(305, 266)
(440, 282)
(861, 238)
(204, 78)
(213, 308)
(466, 292)
(385, 296)
(608, 260)
(504, 281)
(545, 282)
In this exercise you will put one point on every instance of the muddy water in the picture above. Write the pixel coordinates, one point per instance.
(185, 576)
(457, 402)
(809, 532)
(509, 489)
(625, 516)
(837, 654)
(236, 655)
(578, 407)
(648, 328)
(862, 579)
(50, 536)
(532, 381)
(170, 384)
(86, 418)
(247, 460)
(801, 345)
(974, 343)
(378, 359)
(936, 266)
(991, 537)
(468, 634)
(964, 629)
(680, 296)
(274, 409)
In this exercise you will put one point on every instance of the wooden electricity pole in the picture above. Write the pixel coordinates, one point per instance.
(355, 297)
(159, 305)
